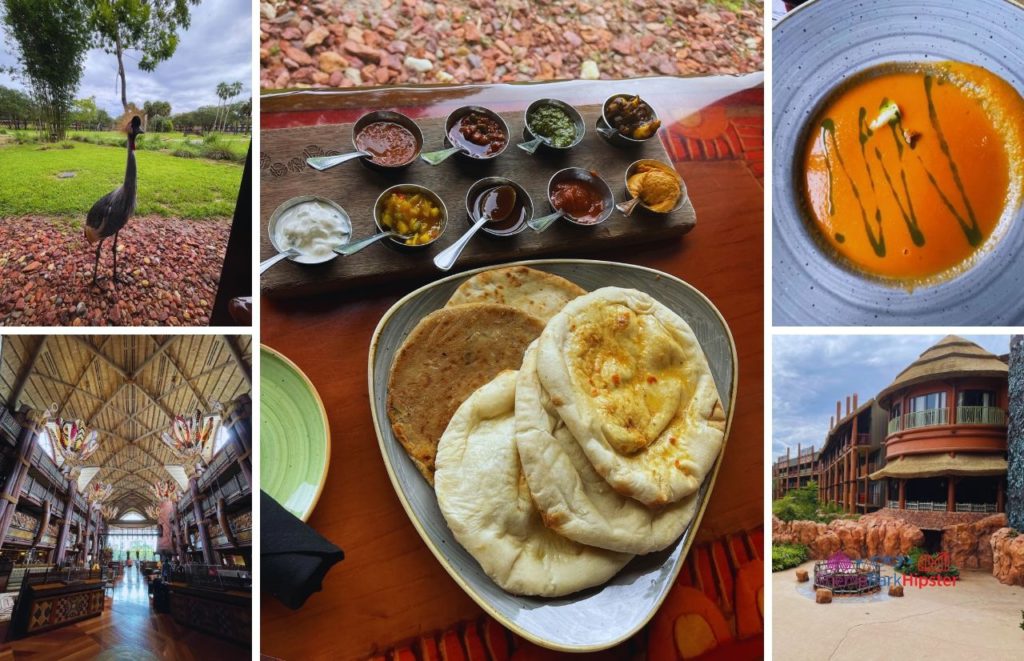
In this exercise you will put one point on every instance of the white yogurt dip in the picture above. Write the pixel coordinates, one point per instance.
(313, 228)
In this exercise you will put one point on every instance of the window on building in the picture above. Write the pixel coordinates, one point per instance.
(929, 402)
(896, 410)
(976, 398)
(46, 443)
(136, 543)
(131, 515)
(223, 436)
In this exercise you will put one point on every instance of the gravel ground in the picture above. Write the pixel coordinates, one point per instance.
(327, 43)
(168, 268)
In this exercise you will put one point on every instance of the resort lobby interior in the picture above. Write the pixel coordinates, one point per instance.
(125, 497)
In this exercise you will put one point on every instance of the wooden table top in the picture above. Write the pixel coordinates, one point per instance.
(390, 588)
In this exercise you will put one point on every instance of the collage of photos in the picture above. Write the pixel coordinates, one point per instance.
(505, 330)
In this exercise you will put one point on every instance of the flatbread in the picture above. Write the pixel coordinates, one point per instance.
(534, 292)
(448, 355)
(631, 383)
(484, 498)
(573, 499)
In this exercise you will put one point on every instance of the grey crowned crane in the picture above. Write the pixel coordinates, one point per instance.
(112, 211)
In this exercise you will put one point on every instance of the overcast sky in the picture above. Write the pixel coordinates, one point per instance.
(216, 48)
(810, 373)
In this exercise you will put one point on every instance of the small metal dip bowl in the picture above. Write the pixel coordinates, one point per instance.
(296, 201)
(581, 174)
(458, 114)
(390, 117)
(611, 134)
(631, 170)
(409, 189)
(481, 185)
(574, 115)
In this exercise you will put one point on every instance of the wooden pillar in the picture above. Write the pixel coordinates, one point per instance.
(12, 490)
(84, 560)
(951, 494)
(45, 521)
(1000, 496)
(65, 526)
(225, 525)
(197, 509)
(96, 541)
(903, 494)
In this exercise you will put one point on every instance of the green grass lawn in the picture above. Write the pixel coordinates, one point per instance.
(237, 145)
(167, 185)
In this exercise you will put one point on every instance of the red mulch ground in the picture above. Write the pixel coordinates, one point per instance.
(168, 268)
(324, 43)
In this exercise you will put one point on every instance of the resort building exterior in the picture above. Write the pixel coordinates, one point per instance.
(794, 472)
(851, 452)
(945, 442)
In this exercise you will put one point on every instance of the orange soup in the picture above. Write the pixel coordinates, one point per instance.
(910, 170)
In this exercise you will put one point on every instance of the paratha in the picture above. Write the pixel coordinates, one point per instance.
(633, 386)
(483, 496)
(573, 499)
(534, 292)
(450, 353)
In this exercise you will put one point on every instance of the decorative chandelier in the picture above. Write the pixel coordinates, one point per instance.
(153, 512)
(165, 490)
(109, 512)
(96, 492)
(73, 444)
(191, 438)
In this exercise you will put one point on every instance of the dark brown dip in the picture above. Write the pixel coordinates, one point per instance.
(579, 199)
(391, 144)
(478, 134)
(497, 206)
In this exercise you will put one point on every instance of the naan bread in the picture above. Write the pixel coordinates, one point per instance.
(448, 355)
(631, 382)
(534, 292)
(484, 498)
(573, 499)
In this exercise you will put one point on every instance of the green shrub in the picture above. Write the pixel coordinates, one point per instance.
(909, 565)
(183, 153)
(785, 556)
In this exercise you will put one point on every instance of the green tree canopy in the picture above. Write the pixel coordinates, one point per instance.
(147, 26)
(51, 37)
(154, 108)
(17, 108)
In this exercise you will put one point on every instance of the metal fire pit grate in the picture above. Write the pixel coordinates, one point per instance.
(848, 577)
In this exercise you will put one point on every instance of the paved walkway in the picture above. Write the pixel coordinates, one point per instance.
(979, 618)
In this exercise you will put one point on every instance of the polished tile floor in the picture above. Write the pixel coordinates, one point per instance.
(128, 629)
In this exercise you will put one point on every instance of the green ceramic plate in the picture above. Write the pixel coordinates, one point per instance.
(295, 439)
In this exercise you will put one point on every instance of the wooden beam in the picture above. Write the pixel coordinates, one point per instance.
(26, 372)
(156, 354)
(102, 356)
(174, 363)
(106, 402)
(73, 387)
(236, 352)
(92, 360)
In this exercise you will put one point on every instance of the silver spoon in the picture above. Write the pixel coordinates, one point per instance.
(544, 222)
(531, 146)
(350, 248)
(267, 263)
(326, 162)
(629, 206)
(445, 259)
(436, 157)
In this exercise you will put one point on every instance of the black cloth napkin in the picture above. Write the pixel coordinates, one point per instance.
(294, 558)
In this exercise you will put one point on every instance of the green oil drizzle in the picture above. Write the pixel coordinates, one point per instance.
(828, 127)
(971, 230)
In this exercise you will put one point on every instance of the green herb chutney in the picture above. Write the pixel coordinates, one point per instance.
(554, 124)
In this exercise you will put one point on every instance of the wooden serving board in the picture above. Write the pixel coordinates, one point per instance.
(284, 175)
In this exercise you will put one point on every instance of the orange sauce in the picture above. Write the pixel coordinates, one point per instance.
(916, 198)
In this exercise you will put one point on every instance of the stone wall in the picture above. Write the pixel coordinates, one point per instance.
(1015, 436)
(931, 520)
(1008, 556)
(969, 544)
(868, 537)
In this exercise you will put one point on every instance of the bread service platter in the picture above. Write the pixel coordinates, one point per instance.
(595, 618)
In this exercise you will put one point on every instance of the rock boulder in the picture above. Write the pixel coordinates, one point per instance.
(1008, 556)
(969, 544)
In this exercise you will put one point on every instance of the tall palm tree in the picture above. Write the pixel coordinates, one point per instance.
(222, 94)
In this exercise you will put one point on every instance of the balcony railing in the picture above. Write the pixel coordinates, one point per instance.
(980, 415)
(924, 506)
(965, 415)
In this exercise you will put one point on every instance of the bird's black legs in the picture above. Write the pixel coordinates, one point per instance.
(97, 262)
(116, 234)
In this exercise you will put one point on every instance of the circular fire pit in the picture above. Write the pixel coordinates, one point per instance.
(849, 577)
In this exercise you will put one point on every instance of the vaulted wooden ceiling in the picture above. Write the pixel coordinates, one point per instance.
(127, 388)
